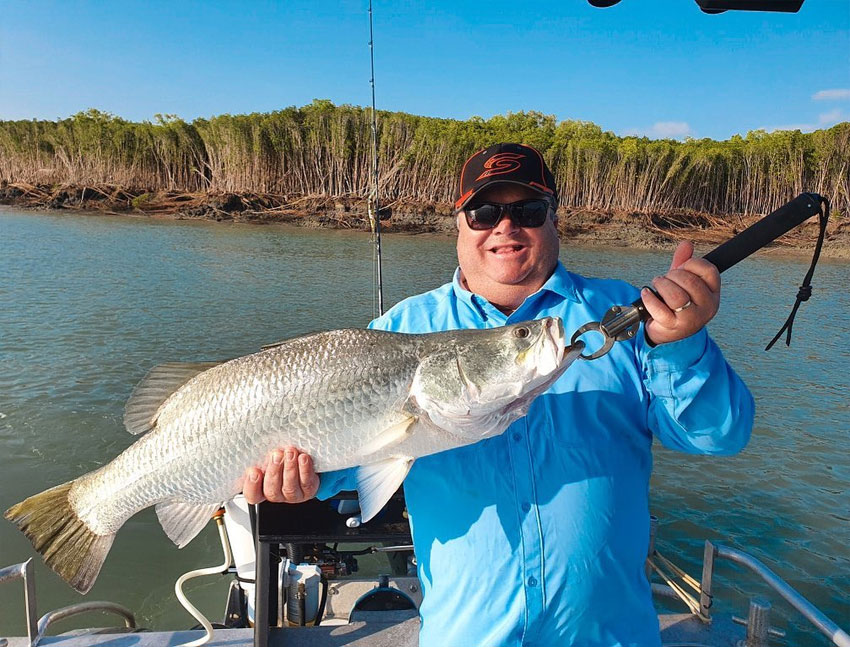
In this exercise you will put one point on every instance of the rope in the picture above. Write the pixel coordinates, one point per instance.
(690, 581)
(691, 602)
(805, 290)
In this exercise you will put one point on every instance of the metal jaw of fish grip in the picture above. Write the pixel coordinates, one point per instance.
(622, 322)
(619, 324)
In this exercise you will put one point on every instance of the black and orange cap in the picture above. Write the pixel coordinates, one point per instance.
(513, 163)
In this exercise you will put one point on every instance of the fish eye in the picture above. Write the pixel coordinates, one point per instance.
(521, 332)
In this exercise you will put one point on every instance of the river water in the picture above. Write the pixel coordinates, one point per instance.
(90, 303)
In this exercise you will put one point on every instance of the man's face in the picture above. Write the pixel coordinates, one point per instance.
(507, 255)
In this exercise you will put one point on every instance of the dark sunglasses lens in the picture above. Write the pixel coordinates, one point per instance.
(484, 217)
(532, 213)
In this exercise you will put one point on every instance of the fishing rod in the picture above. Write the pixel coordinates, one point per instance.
(622, 322)
(373, 206)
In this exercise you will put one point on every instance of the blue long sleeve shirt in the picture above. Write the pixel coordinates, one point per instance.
(539, 536)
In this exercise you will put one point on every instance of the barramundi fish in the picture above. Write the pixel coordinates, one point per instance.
(366, 398)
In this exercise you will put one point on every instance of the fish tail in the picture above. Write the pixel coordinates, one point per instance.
(66, 543)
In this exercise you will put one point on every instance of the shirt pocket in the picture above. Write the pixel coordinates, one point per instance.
(590, 416)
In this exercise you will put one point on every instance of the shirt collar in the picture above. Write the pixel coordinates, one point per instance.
(561, 282)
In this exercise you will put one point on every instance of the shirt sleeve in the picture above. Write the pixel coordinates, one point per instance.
(697, 403)
(332, 483)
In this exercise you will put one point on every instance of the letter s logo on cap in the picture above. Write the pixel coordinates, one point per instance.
(500, 163)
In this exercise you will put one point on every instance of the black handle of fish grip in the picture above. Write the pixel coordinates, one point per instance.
(765, 231)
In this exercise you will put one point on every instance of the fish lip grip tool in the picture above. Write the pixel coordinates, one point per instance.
(622, 322)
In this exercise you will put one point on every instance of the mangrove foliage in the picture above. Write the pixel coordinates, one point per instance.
(323, 150)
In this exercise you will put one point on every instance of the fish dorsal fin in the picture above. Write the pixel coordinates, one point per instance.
(154, 389)
(183, 521)
(377, 482)
(291, 339)
(320, 334)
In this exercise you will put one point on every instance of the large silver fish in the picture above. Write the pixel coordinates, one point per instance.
(347, 397)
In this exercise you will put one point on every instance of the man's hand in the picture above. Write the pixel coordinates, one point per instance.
(287, 477)
(691, 293)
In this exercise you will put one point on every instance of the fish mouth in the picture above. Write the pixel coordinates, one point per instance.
(555, 331)
(567, 353)
(551, 351)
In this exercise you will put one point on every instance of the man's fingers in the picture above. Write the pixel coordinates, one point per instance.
(705, 270)
(291, 479)
(252, 486)
(684, 251)
(673, 293)
(689, 297)
(273, 481)
(688, 284)
(657, 308)
(288, 477)
(308, 478)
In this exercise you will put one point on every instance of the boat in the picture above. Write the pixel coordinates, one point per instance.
(291, 584)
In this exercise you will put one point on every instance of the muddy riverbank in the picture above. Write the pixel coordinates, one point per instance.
(618, 229)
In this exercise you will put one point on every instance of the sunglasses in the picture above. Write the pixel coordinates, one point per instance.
(525, 213)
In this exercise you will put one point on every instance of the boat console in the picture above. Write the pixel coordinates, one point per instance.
(300, 568)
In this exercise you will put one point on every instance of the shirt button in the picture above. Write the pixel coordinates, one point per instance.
(517, 436)
(526, 507)
(532, 581)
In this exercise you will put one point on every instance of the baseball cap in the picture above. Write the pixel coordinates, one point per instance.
(513, 163)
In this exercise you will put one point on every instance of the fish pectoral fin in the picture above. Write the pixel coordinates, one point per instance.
(389, 437)
(182, 521)
(471, 392)
(377, 482)
(154, 389)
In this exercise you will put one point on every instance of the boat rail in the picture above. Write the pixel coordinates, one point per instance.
(36, 629)
(757, 625)
(24, 571)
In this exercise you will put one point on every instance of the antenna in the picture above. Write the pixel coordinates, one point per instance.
(374, 208)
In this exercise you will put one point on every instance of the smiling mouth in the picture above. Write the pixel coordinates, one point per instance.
(507, 249)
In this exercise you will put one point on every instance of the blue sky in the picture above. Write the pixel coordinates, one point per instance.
(654, 67)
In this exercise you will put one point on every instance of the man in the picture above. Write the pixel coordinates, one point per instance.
(539, 536)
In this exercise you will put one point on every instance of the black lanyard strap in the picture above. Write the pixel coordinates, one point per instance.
(805, 290)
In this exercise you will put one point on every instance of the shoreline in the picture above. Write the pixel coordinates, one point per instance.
(583, 227)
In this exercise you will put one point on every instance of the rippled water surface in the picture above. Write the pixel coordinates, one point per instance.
(89, 303)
